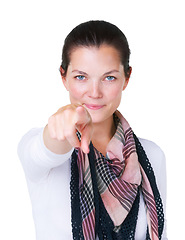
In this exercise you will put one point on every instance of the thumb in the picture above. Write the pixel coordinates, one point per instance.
(82, 117)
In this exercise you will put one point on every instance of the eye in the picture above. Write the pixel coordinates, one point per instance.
(110, 78)
(80, 77)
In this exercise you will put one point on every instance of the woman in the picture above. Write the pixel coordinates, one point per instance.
(88, 175)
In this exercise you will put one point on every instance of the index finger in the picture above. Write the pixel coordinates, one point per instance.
(86, 137)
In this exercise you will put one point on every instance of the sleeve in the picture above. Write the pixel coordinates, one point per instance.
(36, 159)
(158, 161)
(162, 185)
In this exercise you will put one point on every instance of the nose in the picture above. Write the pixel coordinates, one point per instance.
(95, 90)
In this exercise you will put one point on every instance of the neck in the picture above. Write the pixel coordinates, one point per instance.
(102, 134)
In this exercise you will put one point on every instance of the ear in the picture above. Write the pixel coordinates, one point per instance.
(64, 80)
(127, 78)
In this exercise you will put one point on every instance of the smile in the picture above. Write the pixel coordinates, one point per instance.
(94, 107)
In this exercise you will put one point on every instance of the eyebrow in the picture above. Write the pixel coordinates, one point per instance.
(107, 73)
(81, 72)
(113, 71)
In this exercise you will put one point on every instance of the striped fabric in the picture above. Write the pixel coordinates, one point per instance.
(119, 175)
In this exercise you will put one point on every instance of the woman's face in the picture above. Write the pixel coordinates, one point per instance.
(95, 79)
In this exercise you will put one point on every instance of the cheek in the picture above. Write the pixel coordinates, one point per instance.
(75, 92)
(115, 94)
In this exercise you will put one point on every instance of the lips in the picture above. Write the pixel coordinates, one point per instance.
(93, 106)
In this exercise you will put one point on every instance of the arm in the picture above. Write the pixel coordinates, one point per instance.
(40, 151)
(37, 160)
(158, 162)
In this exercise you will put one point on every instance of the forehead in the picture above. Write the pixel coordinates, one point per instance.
(99, 56)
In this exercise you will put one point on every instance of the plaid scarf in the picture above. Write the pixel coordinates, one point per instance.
(105, 190)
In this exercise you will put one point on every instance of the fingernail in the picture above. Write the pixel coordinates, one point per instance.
(86, 151)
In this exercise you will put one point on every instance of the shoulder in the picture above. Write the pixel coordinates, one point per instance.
(32, 132)
(28, 137)
(155, 155)
(151, 148)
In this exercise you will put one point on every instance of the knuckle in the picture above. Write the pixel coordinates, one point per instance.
(53, 135)
(61, 138)
(68, 114)
(60, 135)
(64, 116)
(59, 118)
(51, 120)
(68, 134)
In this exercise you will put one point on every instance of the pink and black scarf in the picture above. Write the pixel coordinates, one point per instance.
(105, 191)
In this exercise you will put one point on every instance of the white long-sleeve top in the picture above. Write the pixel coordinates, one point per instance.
(48, 179)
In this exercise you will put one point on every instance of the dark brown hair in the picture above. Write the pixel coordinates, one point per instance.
(96, 33)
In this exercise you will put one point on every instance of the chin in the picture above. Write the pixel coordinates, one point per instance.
(99, 118)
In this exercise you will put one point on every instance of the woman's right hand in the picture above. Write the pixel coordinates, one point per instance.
(60, 133)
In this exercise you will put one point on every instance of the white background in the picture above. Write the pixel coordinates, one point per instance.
(32, 34)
